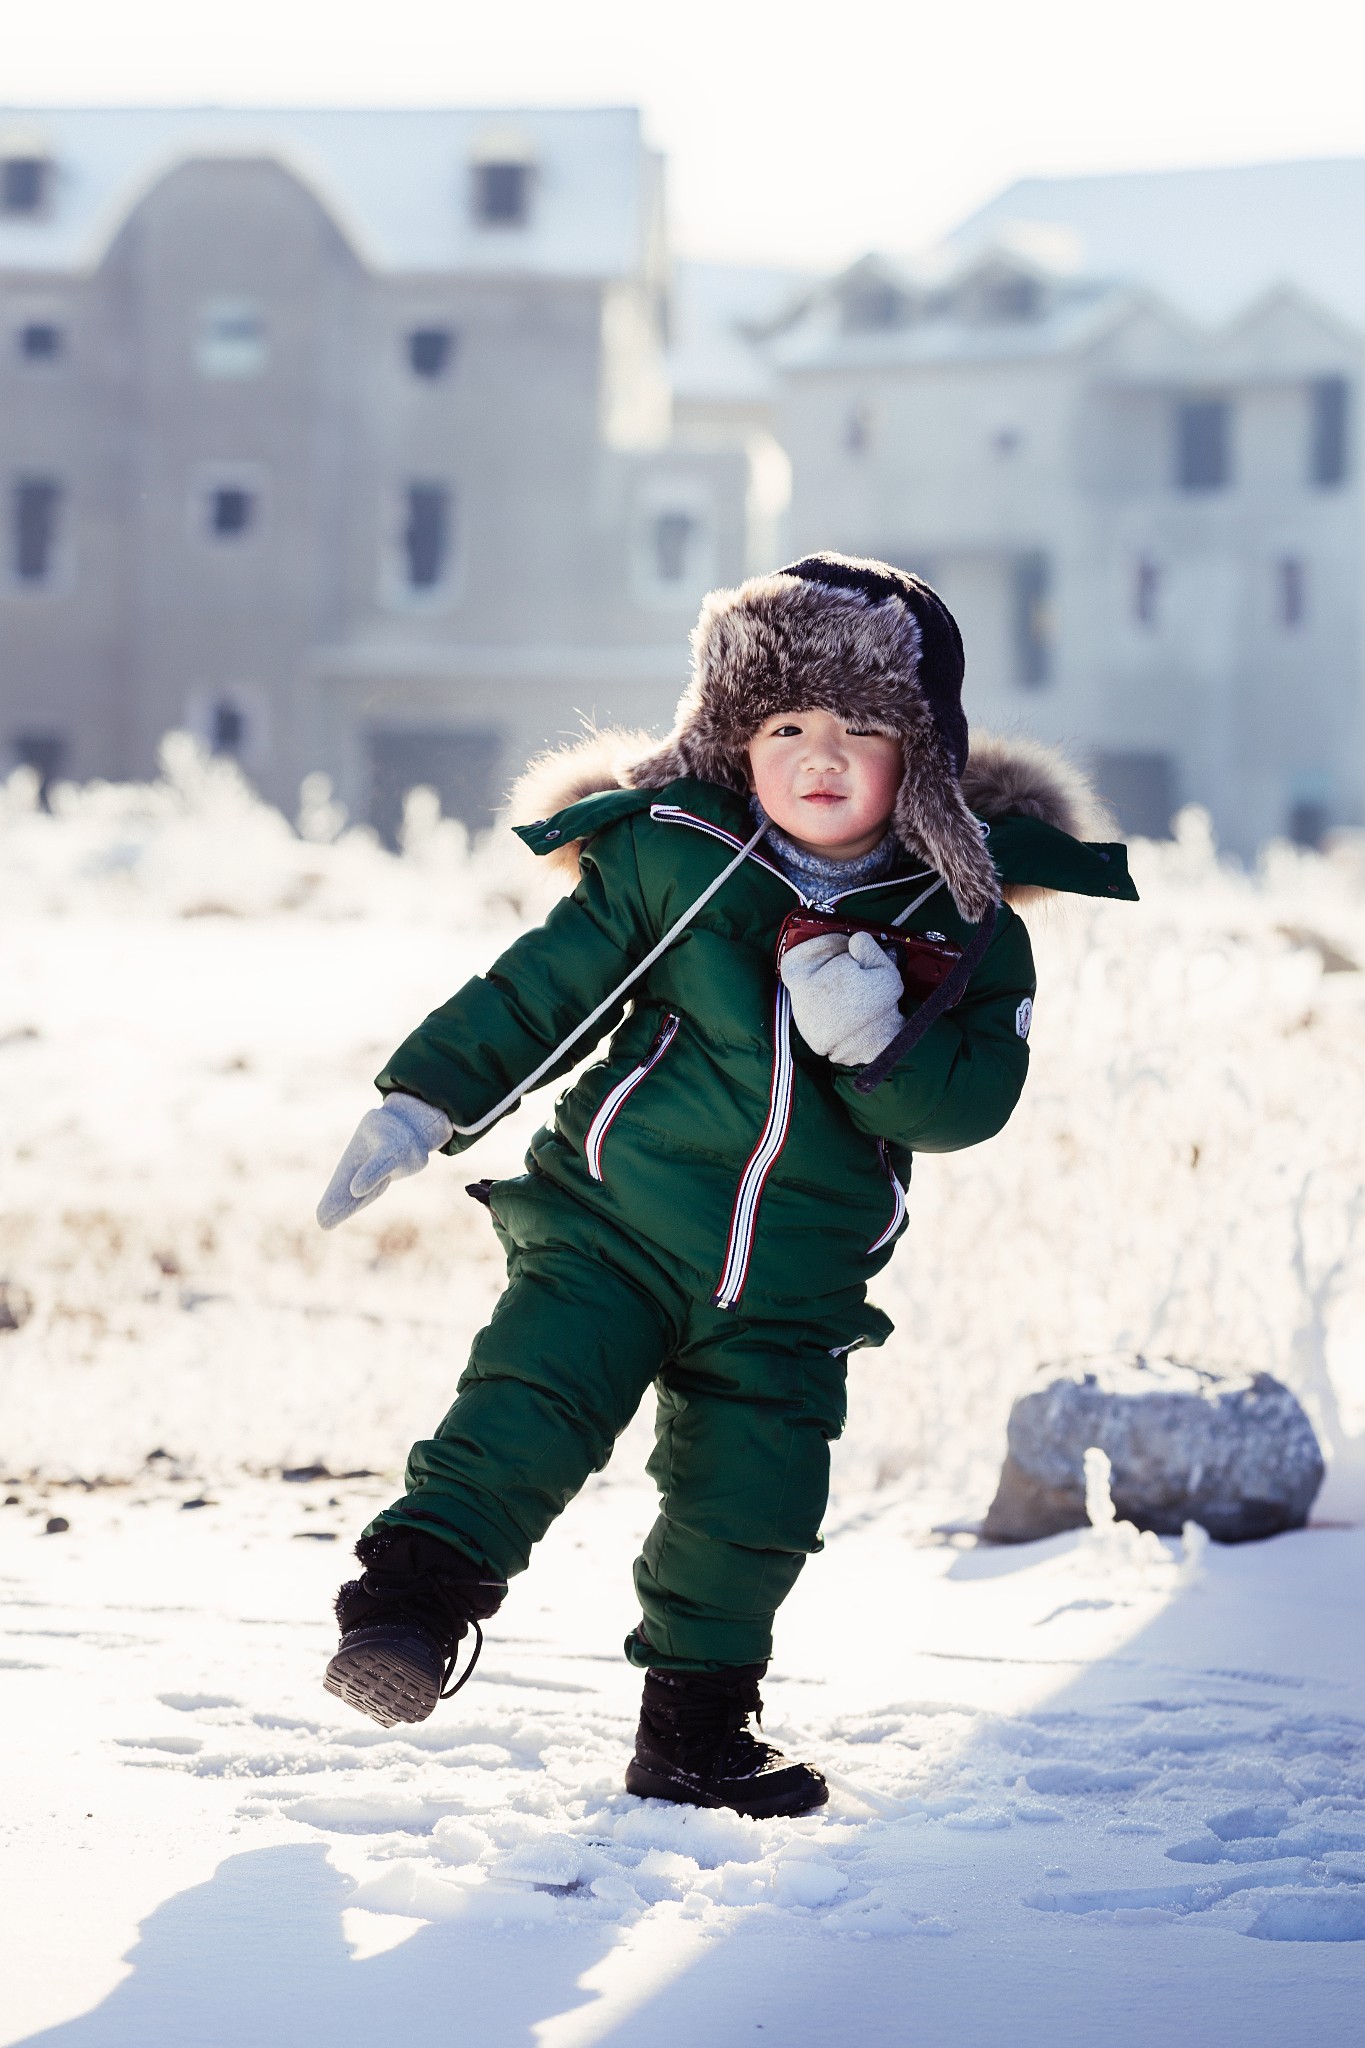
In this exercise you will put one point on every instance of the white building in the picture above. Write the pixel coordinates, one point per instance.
(346, 438)
(1115, 421)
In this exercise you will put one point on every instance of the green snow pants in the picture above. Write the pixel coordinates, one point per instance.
(747, 1408)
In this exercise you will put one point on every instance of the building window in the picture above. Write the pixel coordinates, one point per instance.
(1290, 592)
(869, 304)
(502, 194)
(228, 728)
(431, 351)
(1327, 399)
(674, 535)
(1033, 620)
(1140, 789)
(35, 511)
(858, 429)
(231, 511)
(43, 752)
(1203, 444)
(40, 341)
(464, 767)
(1008, 298)
(1147, 591)
(24, 184)
(231, 339)
(1308, 822)
(426, 535)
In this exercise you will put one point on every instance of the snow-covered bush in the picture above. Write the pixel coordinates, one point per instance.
(195, 994)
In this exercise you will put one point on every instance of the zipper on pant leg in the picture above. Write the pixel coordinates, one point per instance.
(617, 1097)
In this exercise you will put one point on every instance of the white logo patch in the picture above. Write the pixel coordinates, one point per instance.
(1023, 1017)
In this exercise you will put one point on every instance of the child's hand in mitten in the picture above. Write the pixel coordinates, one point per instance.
(390, 1143)
(844, 996)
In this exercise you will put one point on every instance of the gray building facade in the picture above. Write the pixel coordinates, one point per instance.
(346, 440)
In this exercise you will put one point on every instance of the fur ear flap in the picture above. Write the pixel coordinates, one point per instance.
(932, 816)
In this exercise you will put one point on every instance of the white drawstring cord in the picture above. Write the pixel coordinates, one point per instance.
(552, 1059)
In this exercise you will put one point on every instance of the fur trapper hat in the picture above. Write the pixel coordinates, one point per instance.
(862, 640)
(856, 638)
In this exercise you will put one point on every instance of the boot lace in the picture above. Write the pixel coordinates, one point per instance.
(448, 1690)
(711, 1727)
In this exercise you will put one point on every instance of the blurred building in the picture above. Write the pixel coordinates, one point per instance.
(1149, 530)
(392, 443)
(345, 439)
(1115, 419)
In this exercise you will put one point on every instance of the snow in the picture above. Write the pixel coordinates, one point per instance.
(1104, 1784)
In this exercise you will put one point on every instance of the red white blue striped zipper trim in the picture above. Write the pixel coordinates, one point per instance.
(673, 814)
(763, 1158)
(744, 1216)
(616, 1099)
(898, 1213)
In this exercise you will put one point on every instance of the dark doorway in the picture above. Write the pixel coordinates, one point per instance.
(1140, 789)
(462, 768)
(44, 752)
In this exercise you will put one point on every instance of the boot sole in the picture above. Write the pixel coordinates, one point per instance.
(646, 1784)
(386, 1673)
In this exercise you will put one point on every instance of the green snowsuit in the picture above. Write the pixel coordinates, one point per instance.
(707, 1207)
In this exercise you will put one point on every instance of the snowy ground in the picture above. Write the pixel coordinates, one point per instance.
(1083, 1791)
(1089, 1789)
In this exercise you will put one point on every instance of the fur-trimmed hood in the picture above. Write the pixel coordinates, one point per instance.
(1005, 775)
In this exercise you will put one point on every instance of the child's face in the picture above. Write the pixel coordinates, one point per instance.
(826, 784)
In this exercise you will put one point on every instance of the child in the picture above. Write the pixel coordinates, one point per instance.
(706, 1208)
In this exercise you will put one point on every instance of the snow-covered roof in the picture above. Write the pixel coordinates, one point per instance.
(996, 305)
(397, 182)
(1208, 240)
(717, 310)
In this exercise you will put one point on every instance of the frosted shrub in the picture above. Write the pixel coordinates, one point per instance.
(199, 842)
(196, 995)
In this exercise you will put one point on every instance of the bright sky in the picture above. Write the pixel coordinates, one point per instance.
(801, 134)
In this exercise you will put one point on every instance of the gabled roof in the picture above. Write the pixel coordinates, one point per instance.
(717, 309)
(396, 182)
(1211, 241)
(996, 305)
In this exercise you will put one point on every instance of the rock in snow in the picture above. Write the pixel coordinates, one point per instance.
(1233, 1452)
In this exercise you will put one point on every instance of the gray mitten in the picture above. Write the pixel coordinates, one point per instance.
(844, 996)
(390, 1143)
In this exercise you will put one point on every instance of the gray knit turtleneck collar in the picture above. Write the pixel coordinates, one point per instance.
(819, 878)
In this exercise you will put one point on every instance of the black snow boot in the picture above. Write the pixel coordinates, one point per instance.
(402, 1623)
(694, 1746)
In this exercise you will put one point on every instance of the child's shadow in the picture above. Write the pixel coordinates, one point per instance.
(255, 1958)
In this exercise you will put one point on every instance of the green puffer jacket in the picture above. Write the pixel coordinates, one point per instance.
(708, 1129)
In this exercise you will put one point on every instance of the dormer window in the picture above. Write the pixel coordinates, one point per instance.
(869, 306)
(501, 194)
(1010, 298)
(502, 173)
(995, 292)
(24, 183)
